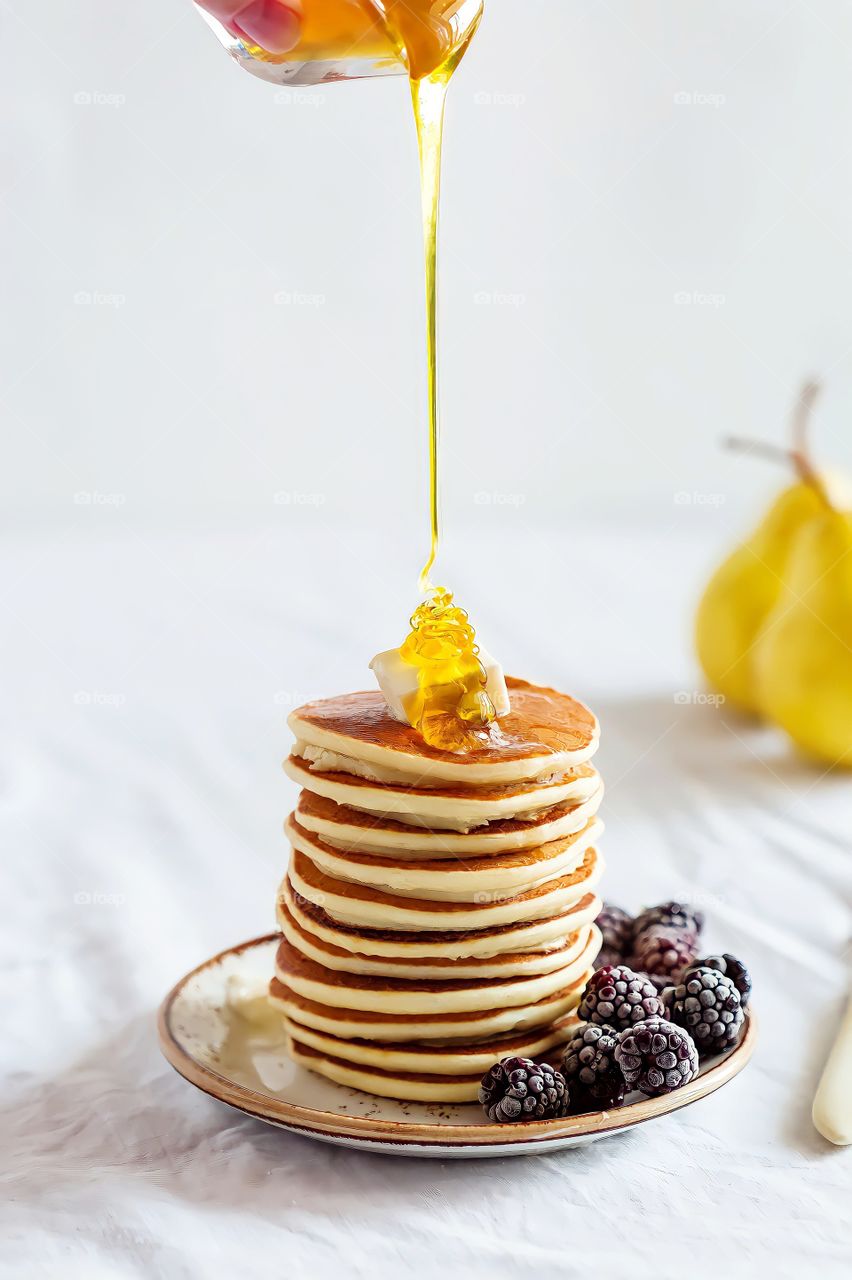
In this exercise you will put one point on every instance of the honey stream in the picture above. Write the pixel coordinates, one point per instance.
(451, 709)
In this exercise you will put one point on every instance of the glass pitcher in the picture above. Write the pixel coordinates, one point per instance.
(353, 39)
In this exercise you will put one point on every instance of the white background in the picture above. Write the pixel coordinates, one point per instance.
(581, 196)
(161, 612)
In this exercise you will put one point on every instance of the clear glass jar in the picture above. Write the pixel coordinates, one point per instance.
(352, 39)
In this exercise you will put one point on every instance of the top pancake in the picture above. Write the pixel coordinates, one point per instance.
(545, 732)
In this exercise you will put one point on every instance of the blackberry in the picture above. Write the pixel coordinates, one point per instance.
(708, 1005)
(617, 996)
(731, 967)
(664, 951)
(617, 929)
(672, 915)
(588, 1064)
(656, 1056)
(519, 1089)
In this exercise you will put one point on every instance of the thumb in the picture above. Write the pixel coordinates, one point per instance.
(272, 24)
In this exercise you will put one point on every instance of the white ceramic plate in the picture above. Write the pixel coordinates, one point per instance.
(217, 1031)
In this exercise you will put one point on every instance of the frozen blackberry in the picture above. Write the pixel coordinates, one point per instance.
(617, 929)
(617, 996)
(520, 1089)
(672, 915)
(731, 967)
(708, 1005)
(593, 1076)
(656, 1056)
(664, 951)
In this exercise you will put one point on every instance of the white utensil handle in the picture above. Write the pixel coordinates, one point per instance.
(832, 1113)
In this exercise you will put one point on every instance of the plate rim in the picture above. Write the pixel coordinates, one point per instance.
(264, 1106)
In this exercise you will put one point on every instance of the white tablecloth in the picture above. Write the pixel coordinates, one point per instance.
(146, 681)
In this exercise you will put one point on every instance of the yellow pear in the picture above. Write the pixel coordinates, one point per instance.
(742, 592)
(747, 585)
(803, 655)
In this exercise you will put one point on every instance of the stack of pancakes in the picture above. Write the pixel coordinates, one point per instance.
(438, 910)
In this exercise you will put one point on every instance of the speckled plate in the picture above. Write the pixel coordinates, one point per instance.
(218, 1032)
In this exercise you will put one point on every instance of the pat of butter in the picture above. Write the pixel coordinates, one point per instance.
(397, 680)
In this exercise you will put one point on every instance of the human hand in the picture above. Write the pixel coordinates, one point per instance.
(272, 24)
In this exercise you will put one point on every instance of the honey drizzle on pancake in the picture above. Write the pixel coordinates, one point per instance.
(451, 709)
(430, 38)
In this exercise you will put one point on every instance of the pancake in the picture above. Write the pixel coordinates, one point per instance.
(386, 1084)
(346, 828)
(434, 945)
(448, 880)
(357, 904)
(437, 1059)
(448, 806)
(507, 963)
(438, 909)
(463, 1027)
(374, 994)
(545, 732)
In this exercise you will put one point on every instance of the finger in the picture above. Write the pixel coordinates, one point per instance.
(273, 24)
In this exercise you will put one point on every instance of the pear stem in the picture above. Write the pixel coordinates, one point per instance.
(801, 421)
(759, 449)
(800, 455)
